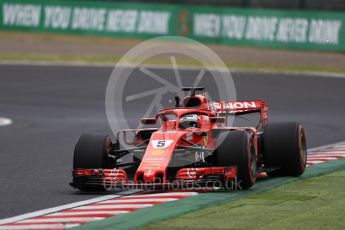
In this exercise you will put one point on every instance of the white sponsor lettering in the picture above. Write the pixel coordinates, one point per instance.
(21, 15)
(122, 20)
(153, 159)
(292, 30)
(199, 156)
(57, 17)
(223, 106)
(88, 18)
(217, 105)
(207, 25)
(114, 173)
(261, 28)
(239, 105)
(154, 22)
(150, 168)
(324, 31)
(233, 26)
(161, 144)
(191, 172)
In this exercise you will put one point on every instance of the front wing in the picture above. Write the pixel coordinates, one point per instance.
(113, 179)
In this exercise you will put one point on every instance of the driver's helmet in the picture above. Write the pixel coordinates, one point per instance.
(188, 121)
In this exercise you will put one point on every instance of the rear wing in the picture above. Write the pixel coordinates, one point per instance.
(242, 107)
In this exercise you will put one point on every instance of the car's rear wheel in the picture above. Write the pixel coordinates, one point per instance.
(91, 152)
(285, 149)
(236, 148)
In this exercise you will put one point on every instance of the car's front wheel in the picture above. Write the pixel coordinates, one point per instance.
(91, 152)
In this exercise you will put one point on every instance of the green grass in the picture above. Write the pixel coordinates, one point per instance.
(315, 203)
(103, 59)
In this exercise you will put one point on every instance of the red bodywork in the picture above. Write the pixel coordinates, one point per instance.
(165, 142)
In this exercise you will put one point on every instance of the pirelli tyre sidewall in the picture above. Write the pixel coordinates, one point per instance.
(237, 149)
(285, 148)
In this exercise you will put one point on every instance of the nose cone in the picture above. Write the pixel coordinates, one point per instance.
(157, 157)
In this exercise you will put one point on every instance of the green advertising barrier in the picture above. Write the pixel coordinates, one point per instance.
(219, 25)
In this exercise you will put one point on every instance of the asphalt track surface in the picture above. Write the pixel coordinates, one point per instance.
(52, 105)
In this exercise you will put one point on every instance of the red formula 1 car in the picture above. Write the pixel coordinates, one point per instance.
(192, 146)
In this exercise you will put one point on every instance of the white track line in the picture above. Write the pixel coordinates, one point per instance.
(137, 200)
(327, 152)
(315, 161)
(39, 226)
(62, 220)
(337, 148)
(79, 213)
(182, 194)
(326, 156)
(5, 121)
(56, 209)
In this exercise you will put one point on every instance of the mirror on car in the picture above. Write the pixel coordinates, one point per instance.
(218, 120)
(148, 121)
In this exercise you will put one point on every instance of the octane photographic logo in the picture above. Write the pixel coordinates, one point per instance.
(138, 87)
(112, 185)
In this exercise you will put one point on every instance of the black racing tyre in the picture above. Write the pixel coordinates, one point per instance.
(91, 152)
(236, 148)
(285, 148)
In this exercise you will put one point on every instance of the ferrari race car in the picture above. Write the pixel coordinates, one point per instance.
(191, 144)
